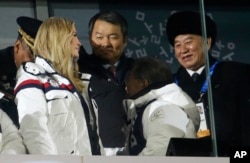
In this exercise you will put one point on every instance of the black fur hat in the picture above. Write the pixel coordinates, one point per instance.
(189, 22)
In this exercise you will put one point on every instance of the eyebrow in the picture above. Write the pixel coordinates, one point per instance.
(116, 34)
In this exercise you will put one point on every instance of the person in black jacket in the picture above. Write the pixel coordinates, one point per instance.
(108, 32)
(11, 58)
(229, 81)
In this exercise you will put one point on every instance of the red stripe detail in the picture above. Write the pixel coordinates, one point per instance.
(42, 85)
(27, 82)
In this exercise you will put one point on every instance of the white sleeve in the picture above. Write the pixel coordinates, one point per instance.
(12, 142)
(33, 116)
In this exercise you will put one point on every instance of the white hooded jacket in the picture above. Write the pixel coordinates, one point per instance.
(51, 113)
(171, 113)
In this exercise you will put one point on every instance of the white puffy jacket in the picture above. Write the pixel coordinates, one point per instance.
(171, 114)
(51, 116)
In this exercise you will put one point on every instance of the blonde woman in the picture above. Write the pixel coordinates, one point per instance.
(54, 112)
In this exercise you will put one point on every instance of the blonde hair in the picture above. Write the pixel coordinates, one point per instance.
(53, 42)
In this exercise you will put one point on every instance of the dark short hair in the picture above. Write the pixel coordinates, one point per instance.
(112, 17)
(151, 69)
(189, 22)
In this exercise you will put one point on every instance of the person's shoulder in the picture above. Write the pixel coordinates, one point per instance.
(6, 50)
(127, 60)
(233, 62)
(7, 64)
(234, 65)
(181, 71)
(6, 54)
(32, 68)
(88, 60)
(89, 64)
(131, 60)
(27, 73)
(233, 70)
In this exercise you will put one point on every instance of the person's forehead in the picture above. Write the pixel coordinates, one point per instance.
(187, 36)
(106, 25)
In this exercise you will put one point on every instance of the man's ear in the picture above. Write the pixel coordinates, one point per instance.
(145, 83)
(17, 42)
(125, 41)
(17, 45)
(209, 42)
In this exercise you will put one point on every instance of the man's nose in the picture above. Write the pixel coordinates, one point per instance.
(105, 42)
(184, 48)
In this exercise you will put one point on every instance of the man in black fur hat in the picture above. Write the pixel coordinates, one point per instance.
(229, 81)
(11, 58)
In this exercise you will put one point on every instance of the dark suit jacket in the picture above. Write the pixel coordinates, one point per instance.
(108, 93)
(231, 101)
(7, 83)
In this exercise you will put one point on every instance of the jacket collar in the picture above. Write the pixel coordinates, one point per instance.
(46, 64)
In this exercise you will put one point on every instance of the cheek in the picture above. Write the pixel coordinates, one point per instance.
(130, 89)
(95, 44)
(74, 51)
(15, 55)
(18, 58)
(178, 56)
(73, 43)
(193, 48)
(197, 51)
(196, 47)
(75, 55)
(177, 52)
(118, 45)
